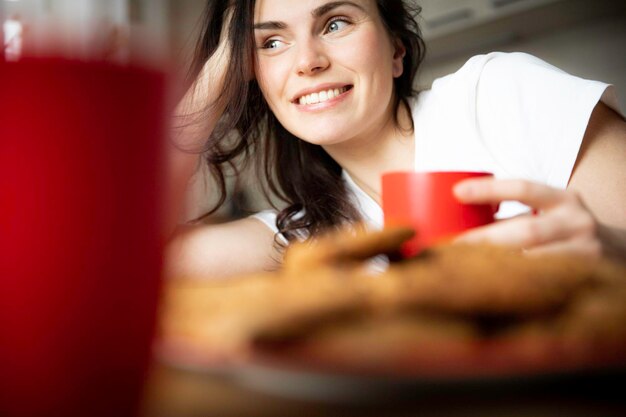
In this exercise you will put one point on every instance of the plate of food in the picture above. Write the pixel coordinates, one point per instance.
(326, 326)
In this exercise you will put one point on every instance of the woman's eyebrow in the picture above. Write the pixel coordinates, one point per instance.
(325, 8)
(270, 25)
(318, 12)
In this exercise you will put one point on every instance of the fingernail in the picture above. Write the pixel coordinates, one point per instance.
(462, 190)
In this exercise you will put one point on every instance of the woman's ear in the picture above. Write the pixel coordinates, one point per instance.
(398, 56)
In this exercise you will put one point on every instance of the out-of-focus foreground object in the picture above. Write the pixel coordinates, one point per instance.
(81, 129)
(455, 311)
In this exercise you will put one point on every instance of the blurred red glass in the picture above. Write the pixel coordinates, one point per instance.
(80, 243)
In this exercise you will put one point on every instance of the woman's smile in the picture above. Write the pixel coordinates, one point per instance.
(322, 98)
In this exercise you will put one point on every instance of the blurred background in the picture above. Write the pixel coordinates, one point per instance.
(585, 38)
(80, 26)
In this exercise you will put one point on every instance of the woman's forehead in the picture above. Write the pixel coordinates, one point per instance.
(287, 10)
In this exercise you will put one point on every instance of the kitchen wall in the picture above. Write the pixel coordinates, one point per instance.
(584, 38)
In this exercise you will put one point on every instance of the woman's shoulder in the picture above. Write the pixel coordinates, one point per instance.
(494, 66)
(456, 92)
(505, 81)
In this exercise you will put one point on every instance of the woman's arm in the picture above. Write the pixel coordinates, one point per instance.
(222, 250)
(194, 118)
(589, 218)
(599, 175)
(207, 251)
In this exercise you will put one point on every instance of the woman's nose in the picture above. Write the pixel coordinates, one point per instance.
(311, 58)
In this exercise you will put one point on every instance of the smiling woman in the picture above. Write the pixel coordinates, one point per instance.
(321, 93)
(357, 58)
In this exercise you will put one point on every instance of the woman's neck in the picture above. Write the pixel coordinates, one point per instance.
(366, 158)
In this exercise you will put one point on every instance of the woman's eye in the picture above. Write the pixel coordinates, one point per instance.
(336, 25)
(271, 44)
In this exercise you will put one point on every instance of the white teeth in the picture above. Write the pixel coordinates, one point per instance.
(321, 96)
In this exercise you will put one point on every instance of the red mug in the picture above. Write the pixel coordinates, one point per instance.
(425, 202)
(80, 234)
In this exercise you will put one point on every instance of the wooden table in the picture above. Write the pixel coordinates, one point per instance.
(178, 393)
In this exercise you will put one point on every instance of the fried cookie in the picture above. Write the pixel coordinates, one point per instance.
(346, 247)
(454, 309)
(484, 280)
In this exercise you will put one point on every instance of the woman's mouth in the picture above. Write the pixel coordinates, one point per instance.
(322, 96)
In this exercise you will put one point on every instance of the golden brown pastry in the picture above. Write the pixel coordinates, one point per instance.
(453, 310)
(344, 248)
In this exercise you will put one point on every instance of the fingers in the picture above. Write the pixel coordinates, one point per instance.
(565, 225)
(482, 191)
(591, 249)
(520, 232)
(568, 228)
(224, 46)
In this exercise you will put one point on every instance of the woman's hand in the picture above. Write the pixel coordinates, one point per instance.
(562, 223)
(207, 87)
(193, 121)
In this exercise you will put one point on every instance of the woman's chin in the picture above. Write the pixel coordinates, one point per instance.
(322, 137)
(324, 141)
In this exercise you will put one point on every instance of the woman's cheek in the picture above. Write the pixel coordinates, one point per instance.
(272, 78)
(369, 55)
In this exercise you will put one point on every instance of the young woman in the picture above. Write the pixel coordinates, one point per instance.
(321, 92)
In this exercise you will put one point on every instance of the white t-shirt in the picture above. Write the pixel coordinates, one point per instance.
(511, 114)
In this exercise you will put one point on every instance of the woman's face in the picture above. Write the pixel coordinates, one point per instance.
(326, 67)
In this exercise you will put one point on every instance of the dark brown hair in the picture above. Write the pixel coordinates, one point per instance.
(300, 174)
